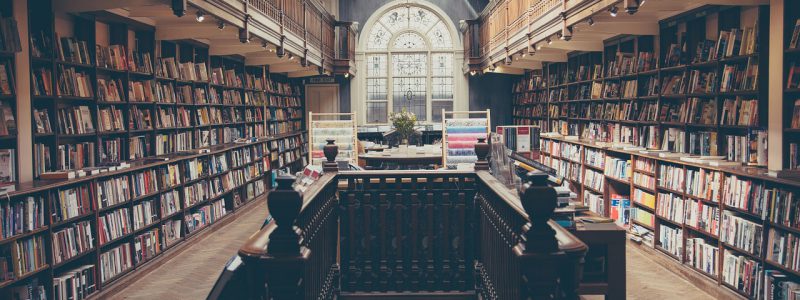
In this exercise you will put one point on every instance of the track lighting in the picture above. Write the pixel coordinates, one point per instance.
(613, 11)
(590, 21)
(221, 25)
(200, 16)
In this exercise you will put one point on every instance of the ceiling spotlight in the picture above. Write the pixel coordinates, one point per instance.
(613, 11)
(549, 41)
(200, 16)
(291, 56)
(590, 21)
(221, 25)
(264, 44)
(538, 46)
(271, 50)
(631, 6)
(346, 75)
(523, 54)
(472, 73)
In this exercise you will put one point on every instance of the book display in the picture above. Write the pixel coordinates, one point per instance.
(737, 216)
(460, 133)
(138, 145)
(341, 127)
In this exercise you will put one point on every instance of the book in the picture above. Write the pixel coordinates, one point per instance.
(794, 42)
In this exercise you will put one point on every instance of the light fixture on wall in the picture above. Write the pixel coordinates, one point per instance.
(291, 56)
(590, 21)
(200, 16)
(264, 45)
(473, 72)
(613, 11)
(539, 46)
(549, 41)
(346, 75)
(221, 25)
(631, 6)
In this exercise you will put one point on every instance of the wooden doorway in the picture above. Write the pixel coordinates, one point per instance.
(322, 98)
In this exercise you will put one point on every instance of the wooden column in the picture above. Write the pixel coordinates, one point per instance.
(775, 147)
(22, 89)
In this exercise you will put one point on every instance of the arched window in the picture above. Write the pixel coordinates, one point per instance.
(409, 55)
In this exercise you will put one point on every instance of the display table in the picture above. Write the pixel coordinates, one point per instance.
(400, 159)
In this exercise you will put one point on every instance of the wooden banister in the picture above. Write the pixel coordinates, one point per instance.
(414, 231)
(294, 257)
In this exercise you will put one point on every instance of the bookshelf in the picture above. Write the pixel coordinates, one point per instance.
(460, 132)
(164, 151)
(694, 206)
(791, 93)
(636, 91)
(9, 46)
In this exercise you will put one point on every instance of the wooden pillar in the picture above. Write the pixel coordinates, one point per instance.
(775, 147)
(22, 89)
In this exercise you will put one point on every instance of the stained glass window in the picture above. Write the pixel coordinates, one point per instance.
(409, 40)
(409, 65)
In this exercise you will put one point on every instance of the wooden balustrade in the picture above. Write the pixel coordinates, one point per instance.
(407, 231)
(500, 26)
(294, 257)
(411, 232)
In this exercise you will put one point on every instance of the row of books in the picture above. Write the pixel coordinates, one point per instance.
(72, 240)
(618, 168)
(21, 216)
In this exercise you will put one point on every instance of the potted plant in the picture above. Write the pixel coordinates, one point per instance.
(403, 123)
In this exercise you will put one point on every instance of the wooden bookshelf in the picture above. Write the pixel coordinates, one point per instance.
(598, 106)
(258, 131)
(8, 98)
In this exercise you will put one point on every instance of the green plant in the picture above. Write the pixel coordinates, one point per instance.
(403, 122)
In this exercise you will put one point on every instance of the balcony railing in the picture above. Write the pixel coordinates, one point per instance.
(412, 233)
(502, 24)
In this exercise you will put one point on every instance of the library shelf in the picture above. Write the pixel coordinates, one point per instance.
(667, 253)
(24, 276)
(24, 235)
(702, 232)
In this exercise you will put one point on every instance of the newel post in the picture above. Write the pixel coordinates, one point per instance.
(331, 150)
(482, 152)
(538, 252)
(285, 264)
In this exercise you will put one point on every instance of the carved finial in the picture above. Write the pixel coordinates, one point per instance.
(482, 151)
(331, 150)
(539, 202)
(284, 205)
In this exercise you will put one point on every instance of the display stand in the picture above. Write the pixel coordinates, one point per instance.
(324, 126)
(459, 136)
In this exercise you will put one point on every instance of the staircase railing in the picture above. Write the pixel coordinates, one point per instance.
(412, 232)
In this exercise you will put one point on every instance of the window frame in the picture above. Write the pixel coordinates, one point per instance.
(428, 50)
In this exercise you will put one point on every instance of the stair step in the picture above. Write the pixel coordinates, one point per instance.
(409, 295)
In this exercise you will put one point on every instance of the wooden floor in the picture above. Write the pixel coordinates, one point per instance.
(192, 273)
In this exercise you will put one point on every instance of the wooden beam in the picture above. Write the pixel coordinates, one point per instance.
(547, 57)
(310, 71)
(231, 48)
(527, 64)
(73, 6)
(286, 67)
(192, 31)
(615, 28)
(152, 11)
(576, 46)
(507, 70)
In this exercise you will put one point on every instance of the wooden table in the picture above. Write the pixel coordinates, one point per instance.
(403, 160)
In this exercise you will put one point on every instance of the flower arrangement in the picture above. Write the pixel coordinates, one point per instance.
(403, 122)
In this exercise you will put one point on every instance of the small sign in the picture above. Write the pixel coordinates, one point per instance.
(321, 80)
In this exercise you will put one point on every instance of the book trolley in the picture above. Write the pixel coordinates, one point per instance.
(340, 127)
(460, 132)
